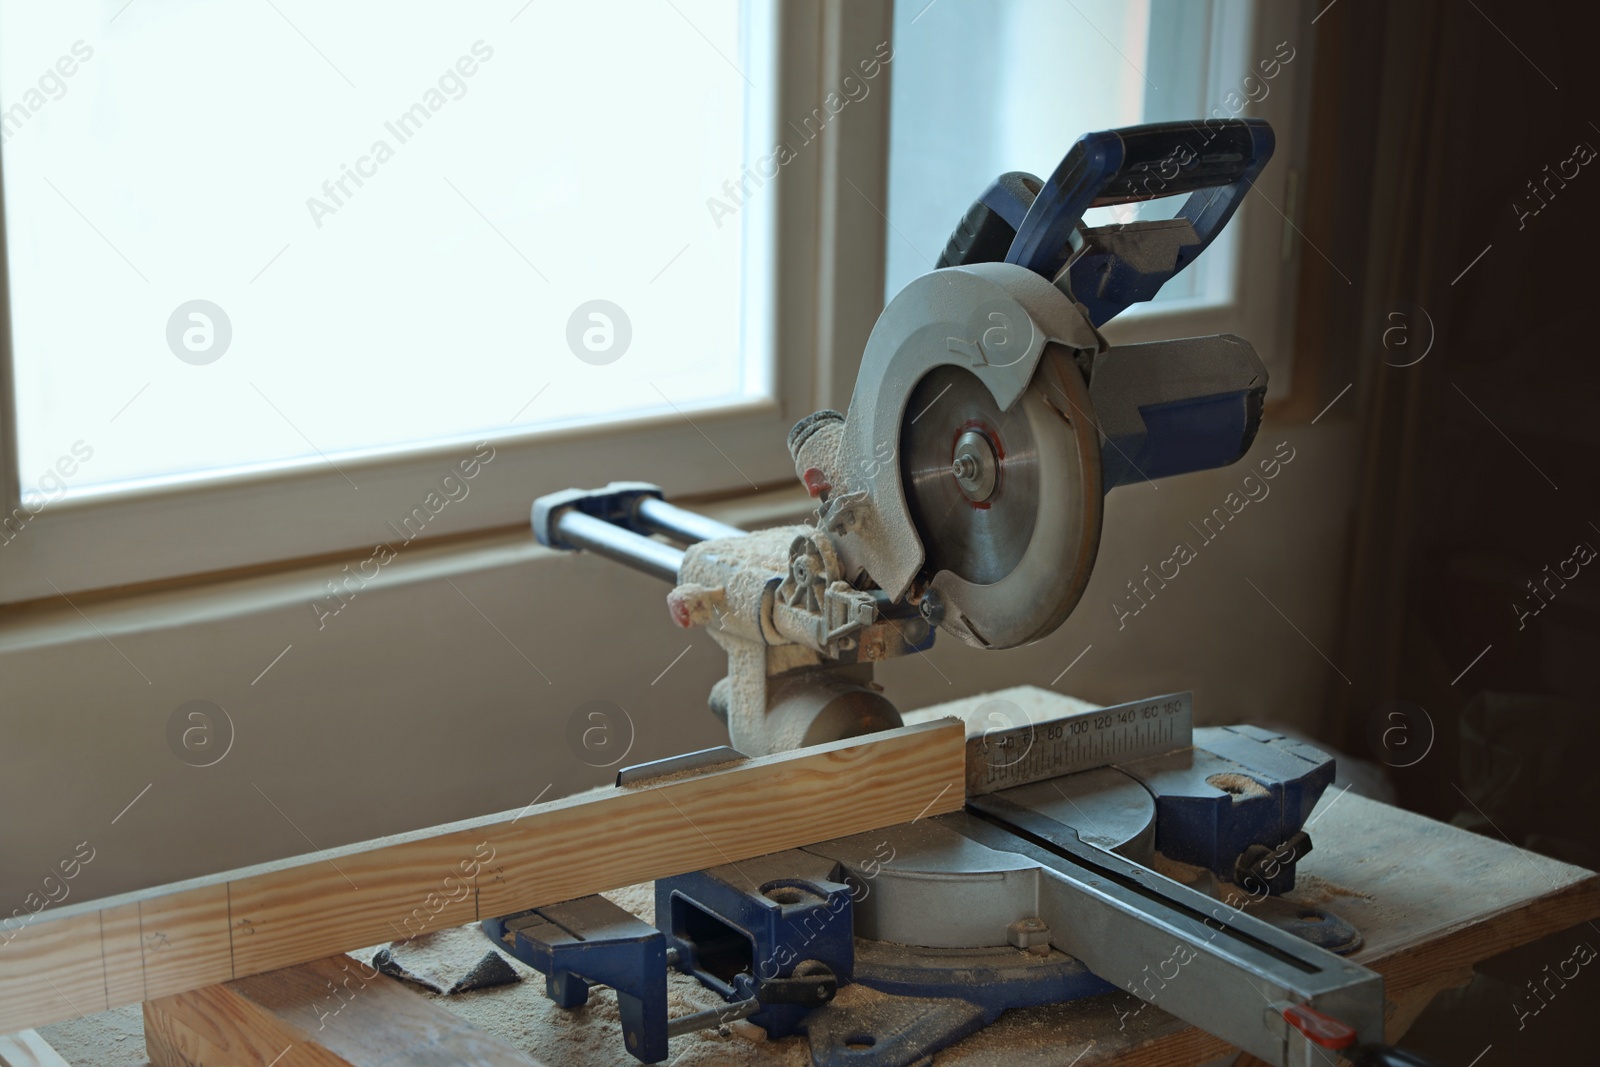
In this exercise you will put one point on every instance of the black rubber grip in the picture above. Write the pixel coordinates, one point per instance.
(984, 234)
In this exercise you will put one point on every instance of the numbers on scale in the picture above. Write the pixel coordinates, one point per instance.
(1091, 739)
(1111, 727)
(1128, 716)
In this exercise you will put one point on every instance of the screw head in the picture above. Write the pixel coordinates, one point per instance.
(974, 466)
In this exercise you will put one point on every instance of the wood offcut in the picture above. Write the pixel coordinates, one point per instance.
(335, 1012)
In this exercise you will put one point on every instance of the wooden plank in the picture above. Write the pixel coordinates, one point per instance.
(246, 922)
(51, 970)
(183, 940)
(123, 953)
(332, 1013)
(28, 1049)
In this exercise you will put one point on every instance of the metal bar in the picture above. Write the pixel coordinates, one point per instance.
(705, 1020)
(1182, 951)
(658, 516)
(574, 529)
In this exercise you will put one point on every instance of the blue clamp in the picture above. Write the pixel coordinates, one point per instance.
(591, 941)
(764, 942)
(1237, 803)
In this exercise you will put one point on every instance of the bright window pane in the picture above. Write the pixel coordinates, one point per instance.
(397, 207)
(982, 87)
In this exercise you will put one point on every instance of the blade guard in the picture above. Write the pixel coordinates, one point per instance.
(995, 320)
(992, 319)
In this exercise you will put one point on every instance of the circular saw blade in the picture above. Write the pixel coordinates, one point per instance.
(1011, 564)
(981, 540)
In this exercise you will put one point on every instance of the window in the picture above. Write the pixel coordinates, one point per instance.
(308, 233)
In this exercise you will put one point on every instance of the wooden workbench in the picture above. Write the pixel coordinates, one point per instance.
(1430, 900)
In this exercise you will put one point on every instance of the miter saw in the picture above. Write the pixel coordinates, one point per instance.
(962, 492)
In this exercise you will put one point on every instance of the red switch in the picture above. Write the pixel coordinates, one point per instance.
(816, 481)
(1322, 1029)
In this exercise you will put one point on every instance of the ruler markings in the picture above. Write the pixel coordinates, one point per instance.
(1078, 742)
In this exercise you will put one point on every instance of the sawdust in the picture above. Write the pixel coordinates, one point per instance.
(1027, 704)
(742, 567)
(686, 773)
(1184, 873)
(639, 899)
(1309, 889)
(105, 1039)
(1312, 890)
(1240, 785)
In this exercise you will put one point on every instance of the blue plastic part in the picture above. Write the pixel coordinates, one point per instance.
(591, 941)
(936, 997)
(755, 937)
(1182, 436)
(733, 936)
(994, 983)
(1239, 786)
(1304, 771)
(1214, 161)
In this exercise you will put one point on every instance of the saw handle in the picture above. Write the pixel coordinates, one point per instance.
(1215, 161)
(1039, 223)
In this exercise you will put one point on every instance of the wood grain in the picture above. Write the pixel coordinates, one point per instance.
(28, 1049)
(332, 1013)
(173, 939)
